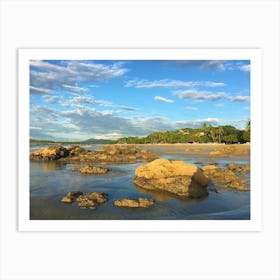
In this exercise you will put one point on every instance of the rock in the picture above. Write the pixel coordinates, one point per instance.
(97, 197)
(87, 203)
(175, 177)
(209, 167)
(92, 200)
(229, 150)
(226, 178)
(109, 154)
(134, 203)
(233, 166)
(91, 170)
(88, 200)
(146, 155)
(71, 197)
(76, 151)
(242, 169)
(50, 153)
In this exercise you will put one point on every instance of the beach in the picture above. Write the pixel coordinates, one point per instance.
(51, 180)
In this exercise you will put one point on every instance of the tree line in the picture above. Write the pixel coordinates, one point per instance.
(227, 134)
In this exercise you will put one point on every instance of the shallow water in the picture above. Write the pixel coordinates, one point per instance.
(50, 181)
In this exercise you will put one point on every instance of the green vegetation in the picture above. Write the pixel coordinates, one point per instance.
(206, 134)
(227, 134)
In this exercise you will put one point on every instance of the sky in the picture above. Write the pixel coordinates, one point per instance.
(74, 100)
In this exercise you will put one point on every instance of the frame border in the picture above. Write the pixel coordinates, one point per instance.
(254, 224)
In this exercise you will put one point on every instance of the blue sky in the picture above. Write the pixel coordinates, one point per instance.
(75, 100)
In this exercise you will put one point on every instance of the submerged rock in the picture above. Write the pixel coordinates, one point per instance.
(50, 153)
(226, 178)
(91, 170)
(134, 203)
(175, 177)
(71, 197)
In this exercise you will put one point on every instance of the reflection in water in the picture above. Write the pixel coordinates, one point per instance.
(160, 196)
(51, 165)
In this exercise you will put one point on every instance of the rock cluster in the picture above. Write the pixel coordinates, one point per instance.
(92, 200)
(175, 177)
(88, 200)
(228, 151)
(242, 169)
(109, 154)
(134, 203)
(91, 170)
(224, 177)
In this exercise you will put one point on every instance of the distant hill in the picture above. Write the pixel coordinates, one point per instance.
(97, 141)
(35, 141)
(88, 141)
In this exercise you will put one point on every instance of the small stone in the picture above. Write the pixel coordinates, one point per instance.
(97, 197)
(71, 196)
(91, 170)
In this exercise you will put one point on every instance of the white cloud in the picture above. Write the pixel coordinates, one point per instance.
(82, 123)
(220, 65)
(245, 68)
(48, 66)
(37, 90)
(52, 99)
(199, 96)
(165, 83)
(162, 99)
(127, 108)
(239, 98)
(74, 89)
(49, 76)
(197, 123)
(83, 100)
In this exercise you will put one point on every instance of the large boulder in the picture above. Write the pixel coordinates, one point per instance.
(134, 203)
(175, 177)
(50, 153)
(226, 178)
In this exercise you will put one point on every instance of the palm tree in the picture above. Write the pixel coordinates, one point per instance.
(220, 133)
(213, 134)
